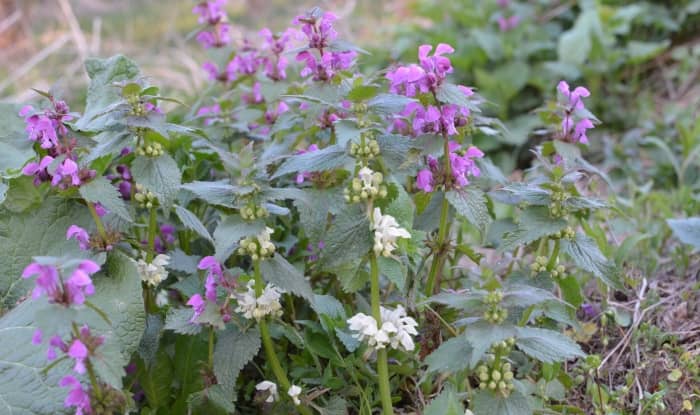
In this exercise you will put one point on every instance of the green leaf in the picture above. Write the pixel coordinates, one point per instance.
(15, 148)
(230, 231)
(284, 275)
(178, 320)
(687, 230)
(102, 93)
(471, 203)
(451, 94)
(109, 142)
(234, 349)
(516, 193)
(39, 232)
(191, 221)
(576, 43)
(156, 380)
(22, 195)
(219, 193)
(160, 175)
(3, 191)
(348, 239)
(452, 356)
(488, 403)
(191, 352)
(546, 345)
(150, 340)
(518, 295)
(100, 190)
(482, 335)
(362, 92)
(329, 306)
(447, 403)
(211, 401)
(586, 255)
(535, 223)
(394, 270)
(389, 104)
(328, 158)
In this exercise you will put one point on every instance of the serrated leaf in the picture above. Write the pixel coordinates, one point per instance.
(156, 379)
(451, 94)
(586, 255)
(447, 403)
(328, 305)
(687, 230)
(452, 356)
(160, 175)
(488, 403)
(546, 345)
(471, 203)
(101, 93)
(535, 223)
(482, 335)
(219, 193)
(15, 148)
(178, 320)
(101, 191)
(284, 275)
(230, 231)
(516, 193)
(328, 158)
(234, 349)
(348, 239)
(394, 270)
(519, 295)
(109, 142)
(389, 104)
(191, 221)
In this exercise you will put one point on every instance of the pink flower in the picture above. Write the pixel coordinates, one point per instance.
(77, 396)
(319, 31)
(79, 352)
(574, 118)
(66, 174)
(80, 235)
(424, 180)
(198, 304)
(575, 98)
(580, 130)
(48, 281)
(39, 170)
(79, 285)
(506, 24)
(210, 12)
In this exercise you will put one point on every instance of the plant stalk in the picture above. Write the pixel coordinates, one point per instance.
(438, 257)
(382, 360)
(98, 222)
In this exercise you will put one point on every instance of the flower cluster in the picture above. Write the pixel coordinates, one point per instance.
(495, 314)
(366, 186)
(443, 120)
(575, 119)
(258, 307)
(425, 77)
(386, 232)
(320, 34)
(216, 277)
(498, 377)
(251, 211)
(69, 292)
(59, 165)
(154, 272)
(145, 198)
(462, 165)
(217, 32)
(258, 247)
(395, 331)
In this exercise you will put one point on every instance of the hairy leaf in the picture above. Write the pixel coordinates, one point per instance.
(100, 190)
(284, 275)
(160, 175)
(471, 203)
(546, 345)
(191, 221)
(234, 349)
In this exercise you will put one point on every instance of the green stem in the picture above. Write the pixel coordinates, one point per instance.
(555, 254)
(211, 348)
(269, 346)
(98, 222)
(152, 224)
(437, 259)
(93, 381)
(382, 360)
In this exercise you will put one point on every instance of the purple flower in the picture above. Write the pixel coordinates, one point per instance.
(275, 66)
(66, 174)
(215, 36)
(319, 31)
(246, 62)
(209, 113)
(575, 119)
(506, 24)
(255, 96)
(580, 130)
(48, 281)
(37, 337)
(198, 304)
(80, 235)
(56, 342)
(79, 352)
(424, 180)
(436, 65)
(100, 210)
(278, 109)
(77, 396)
(210, 12)
(39, 170)
(79, 285)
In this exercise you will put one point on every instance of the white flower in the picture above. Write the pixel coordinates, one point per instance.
(396, 329)
(369, 180)
(405, 327)
(386, 231)
(266, 246)
(162, 298)
(253, 307)
(468, 412)
(294, 392)
(155, 272)
(271, 387)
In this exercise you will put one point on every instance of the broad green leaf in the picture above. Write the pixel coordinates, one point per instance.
(234, 349)
(39, 232)
(191, 353)
(102, 93)
(328, 158)
(22, 195)
(213, 400)
(328, 305)
(687, 230)
(100, 190)
(452, 356)
(348, 239)
(482, 335)
(230, 231)
(447, 403)
(489, 403)
(576, 43)
(586, 255)
(389, 104)
(109, 142)
(284, 275)
(546, 345)
(516, 193)
(535, 223)
(160, 175)
(471, 203)
(525, 295)
(150, 340)
(191, 221)
(394, 270)
(219, 193)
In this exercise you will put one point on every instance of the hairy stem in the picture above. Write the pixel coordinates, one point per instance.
(269, 346)
(439, 256)
(553, 258)
(382, 364)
